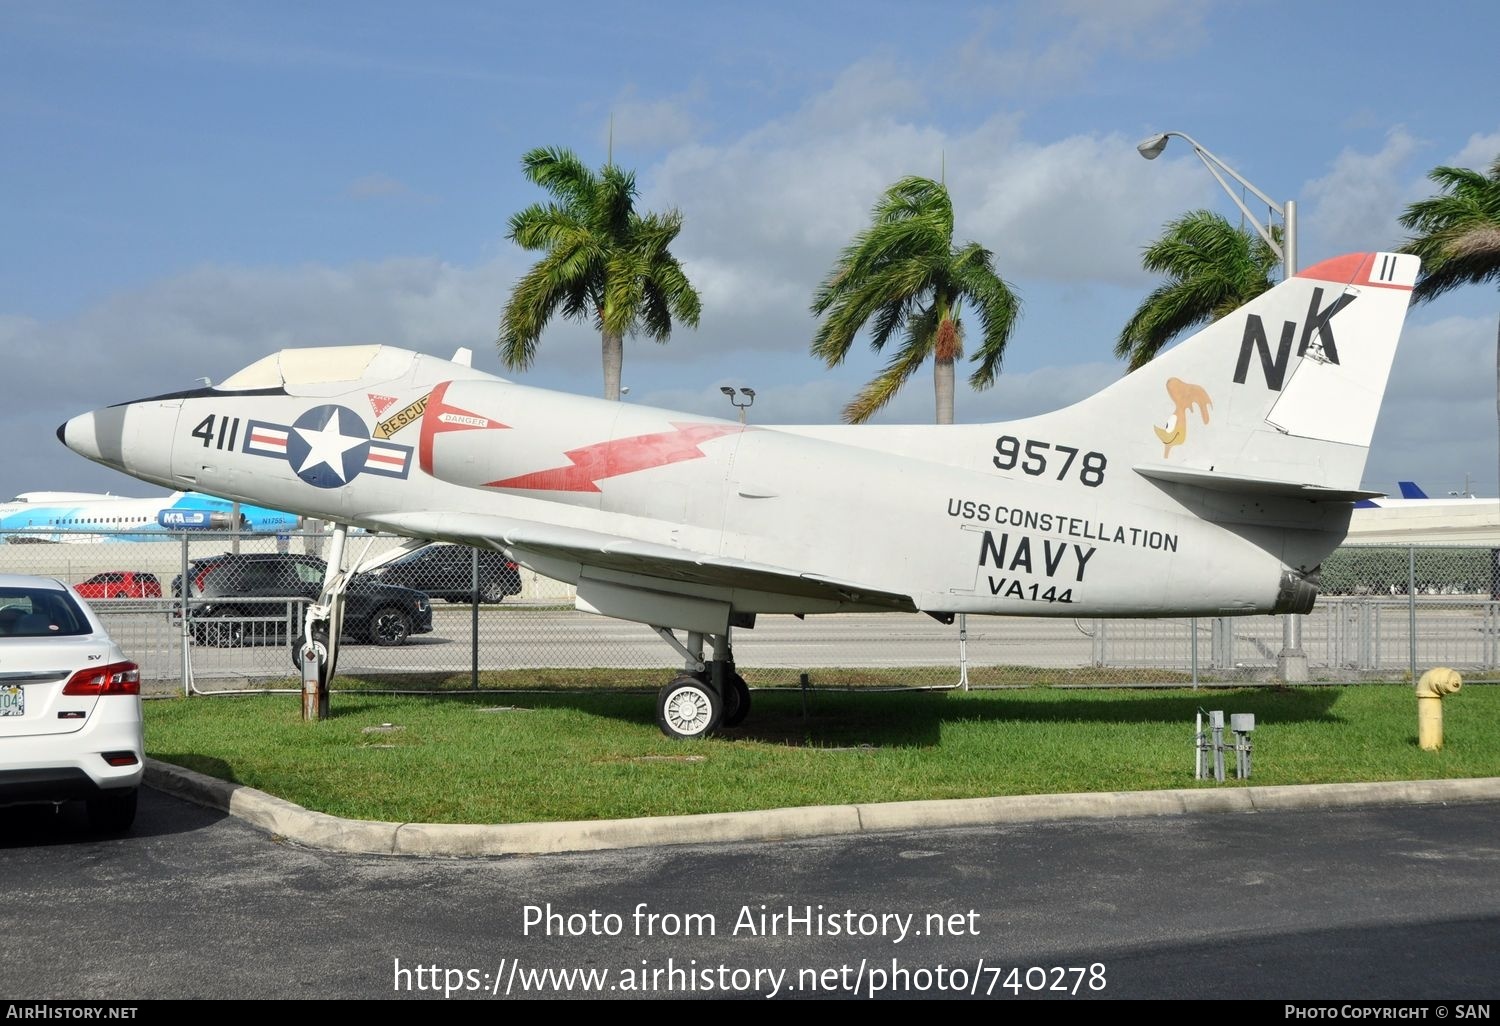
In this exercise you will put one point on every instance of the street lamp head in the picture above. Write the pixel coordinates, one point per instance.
(1285, 247)
(748, 393)
(1151, 148)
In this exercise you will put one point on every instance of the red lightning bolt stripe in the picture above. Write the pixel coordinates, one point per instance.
(434, 423)
(593, 463)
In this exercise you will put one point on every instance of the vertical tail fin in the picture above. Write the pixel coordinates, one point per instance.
(1279, 397)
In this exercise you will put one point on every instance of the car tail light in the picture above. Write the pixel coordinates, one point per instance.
(120, 758)
(113, 679)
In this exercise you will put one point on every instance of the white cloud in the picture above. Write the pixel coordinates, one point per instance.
(767, 214)
(211, 322)
(1480, 153)
(1057, 45)
(640, 123)
(1438, 421)
(873, 88)
(1355, 206)
(1078, 209)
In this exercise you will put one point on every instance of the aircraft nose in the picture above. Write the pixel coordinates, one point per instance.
(104, 436)
(133, 437)
(82, 436)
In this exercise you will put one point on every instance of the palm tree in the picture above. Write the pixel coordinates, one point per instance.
(602, 261)
(1458, 237)
(1212, 269)
(905, 272)
(1458, 233)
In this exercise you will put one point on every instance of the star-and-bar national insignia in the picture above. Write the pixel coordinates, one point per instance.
(327, 447)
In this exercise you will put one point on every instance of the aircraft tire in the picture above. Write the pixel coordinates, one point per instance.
(320, 639)
(737, 701)
(687, 708)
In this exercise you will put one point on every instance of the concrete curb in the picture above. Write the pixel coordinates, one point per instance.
(319, 830)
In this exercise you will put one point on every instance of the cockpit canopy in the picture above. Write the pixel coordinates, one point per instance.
(331, 370)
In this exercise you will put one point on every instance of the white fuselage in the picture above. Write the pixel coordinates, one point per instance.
(1033, 517)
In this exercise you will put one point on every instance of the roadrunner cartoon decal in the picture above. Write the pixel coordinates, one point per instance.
(1184, 397)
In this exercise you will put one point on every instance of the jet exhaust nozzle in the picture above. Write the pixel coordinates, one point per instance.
(1298, 591)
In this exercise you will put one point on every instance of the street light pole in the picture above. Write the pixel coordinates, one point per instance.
(748, 393)
(1287, 250)
(1291, 661)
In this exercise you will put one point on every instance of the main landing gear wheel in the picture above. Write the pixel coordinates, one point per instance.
(688, 708)
(707, 694)
(736, 701)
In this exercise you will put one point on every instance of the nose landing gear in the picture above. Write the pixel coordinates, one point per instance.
(316, 652)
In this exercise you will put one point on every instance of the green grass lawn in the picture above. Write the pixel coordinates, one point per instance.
(589, 755)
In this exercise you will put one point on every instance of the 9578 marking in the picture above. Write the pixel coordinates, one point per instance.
(1033, 458)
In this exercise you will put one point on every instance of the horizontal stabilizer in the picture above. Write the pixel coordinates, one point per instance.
(1253, 485)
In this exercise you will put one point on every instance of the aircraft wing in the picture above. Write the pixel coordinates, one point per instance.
(639, 559)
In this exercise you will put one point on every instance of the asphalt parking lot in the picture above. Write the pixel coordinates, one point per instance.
(1367, 903)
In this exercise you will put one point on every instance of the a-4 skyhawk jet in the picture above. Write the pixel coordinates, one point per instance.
(1212, 481)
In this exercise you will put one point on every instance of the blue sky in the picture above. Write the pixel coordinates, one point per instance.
(189, 186)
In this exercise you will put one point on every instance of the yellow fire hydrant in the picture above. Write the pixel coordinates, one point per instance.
(1435, 683)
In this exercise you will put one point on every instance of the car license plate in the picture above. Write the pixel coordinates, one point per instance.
(13, 701)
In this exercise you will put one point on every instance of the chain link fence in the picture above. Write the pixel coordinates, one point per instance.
(449, 617)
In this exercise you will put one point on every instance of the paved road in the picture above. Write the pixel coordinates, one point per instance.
(1349, 904)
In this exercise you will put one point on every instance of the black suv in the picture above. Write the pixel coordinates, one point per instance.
(257, 597)
(447, 572)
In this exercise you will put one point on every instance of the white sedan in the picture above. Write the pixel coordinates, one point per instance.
(70, 705)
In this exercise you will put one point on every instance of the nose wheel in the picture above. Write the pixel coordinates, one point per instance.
(316, 652)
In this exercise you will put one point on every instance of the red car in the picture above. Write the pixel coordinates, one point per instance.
(120, 584)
